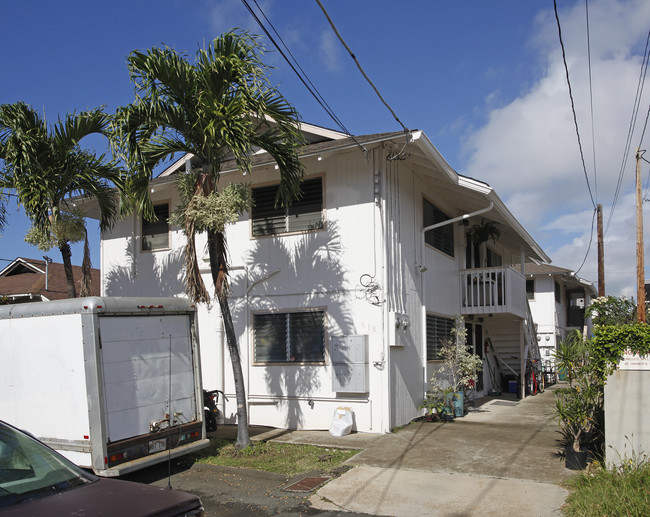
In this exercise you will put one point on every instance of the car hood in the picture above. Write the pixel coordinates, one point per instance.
(109, 497)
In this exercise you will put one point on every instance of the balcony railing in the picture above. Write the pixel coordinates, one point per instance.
(493, 290)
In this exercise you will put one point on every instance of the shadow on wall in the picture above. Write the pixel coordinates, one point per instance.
(311, 270)
(149, 274)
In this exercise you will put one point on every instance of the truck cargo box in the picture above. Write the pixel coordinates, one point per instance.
(113, 384)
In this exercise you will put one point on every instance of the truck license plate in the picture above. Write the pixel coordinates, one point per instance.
(157, 445)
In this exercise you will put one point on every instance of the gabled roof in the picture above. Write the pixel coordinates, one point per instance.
(468, 195)
(24, 280)
(567, 276)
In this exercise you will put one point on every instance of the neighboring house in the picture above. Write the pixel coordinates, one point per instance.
(342, 300)
(31, 280)
(558, 299)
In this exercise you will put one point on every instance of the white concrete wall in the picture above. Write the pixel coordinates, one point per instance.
(627, 420)
(324, 269)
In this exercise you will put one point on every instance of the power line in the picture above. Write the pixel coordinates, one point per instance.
(591, 99)
(406, 130)
(628, 140)
(591, 240)
(573, 108)
(645, 125)
(311, 88)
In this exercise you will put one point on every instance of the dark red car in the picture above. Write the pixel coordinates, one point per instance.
(37, 481)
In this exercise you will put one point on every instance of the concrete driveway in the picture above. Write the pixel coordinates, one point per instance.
(500, 459)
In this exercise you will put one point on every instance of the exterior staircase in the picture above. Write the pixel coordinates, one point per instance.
(505, 347)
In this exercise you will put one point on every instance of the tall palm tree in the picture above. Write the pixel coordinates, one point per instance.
(44, 167)
(220, 107)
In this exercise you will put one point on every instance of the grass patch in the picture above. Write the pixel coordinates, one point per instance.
(283, 458)
(623, 491)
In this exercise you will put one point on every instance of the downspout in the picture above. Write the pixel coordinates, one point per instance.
(48, 261)
(387, 400)
(422, 268)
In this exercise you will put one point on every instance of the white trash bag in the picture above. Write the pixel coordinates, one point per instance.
(341, 422)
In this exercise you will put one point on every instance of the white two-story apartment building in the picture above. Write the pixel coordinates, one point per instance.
(558, 299)
(342, 299)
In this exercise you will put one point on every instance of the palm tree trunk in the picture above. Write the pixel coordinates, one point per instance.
(219, 270)
(66, 254)
(86, 266)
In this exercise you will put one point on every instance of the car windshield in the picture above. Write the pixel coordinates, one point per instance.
(29, 470)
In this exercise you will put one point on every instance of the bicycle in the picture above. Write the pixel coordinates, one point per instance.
(534, 377)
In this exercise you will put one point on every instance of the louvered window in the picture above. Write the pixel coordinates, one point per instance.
(440, 238)
(290, 337)
(155, 234)
(304, 214)
(438, 331)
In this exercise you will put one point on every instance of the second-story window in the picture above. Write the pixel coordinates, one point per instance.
(440, 238)
(304, 214)
(492, 258)
(530, 289)
(155, 234)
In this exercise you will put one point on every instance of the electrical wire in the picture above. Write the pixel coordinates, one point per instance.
(573, 108)
(591, 100)
(591, 240)
(311, 88)
(628, 141)
(354, 58)
(645, 125)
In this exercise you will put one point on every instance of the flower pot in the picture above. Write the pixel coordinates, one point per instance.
(455, 404)
(575, 460)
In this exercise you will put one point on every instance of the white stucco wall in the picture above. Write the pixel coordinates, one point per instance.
(360, 269)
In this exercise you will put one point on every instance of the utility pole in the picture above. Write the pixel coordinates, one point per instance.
(640, 266)
(601, 252)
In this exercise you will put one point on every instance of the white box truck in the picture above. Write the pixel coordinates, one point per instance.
(113, 384)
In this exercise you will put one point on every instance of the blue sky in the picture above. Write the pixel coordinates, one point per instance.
(484, 80)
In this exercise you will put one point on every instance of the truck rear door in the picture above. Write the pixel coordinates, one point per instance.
(148, 372)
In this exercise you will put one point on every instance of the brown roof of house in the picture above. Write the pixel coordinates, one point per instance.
(26, 276)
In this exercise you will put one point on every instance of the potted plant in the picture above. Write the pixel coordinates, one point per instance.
(484, 231)
(579, 406)
(458, 370)
(433, 404)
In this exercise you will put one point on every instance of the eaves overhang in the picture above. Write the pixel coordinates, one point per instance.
(533, 249)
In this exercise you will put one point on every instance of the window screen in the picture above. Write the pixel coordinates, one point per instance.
(289, 337)
(438, 330)
(304, 214)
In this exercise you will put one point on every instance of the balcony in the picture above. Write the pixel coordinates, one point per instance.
(493, 290)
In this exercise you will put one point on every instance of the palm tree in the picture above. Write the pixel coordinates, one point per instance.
(221, 107)
(43, 167)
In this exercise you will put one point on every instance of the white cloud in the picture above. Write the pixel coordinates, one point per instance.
(330, 50)
(528, 148)
(231, 14)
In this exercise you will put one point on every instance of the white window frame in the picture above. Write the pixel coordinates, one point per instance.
(287, 220)
(288, 334)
